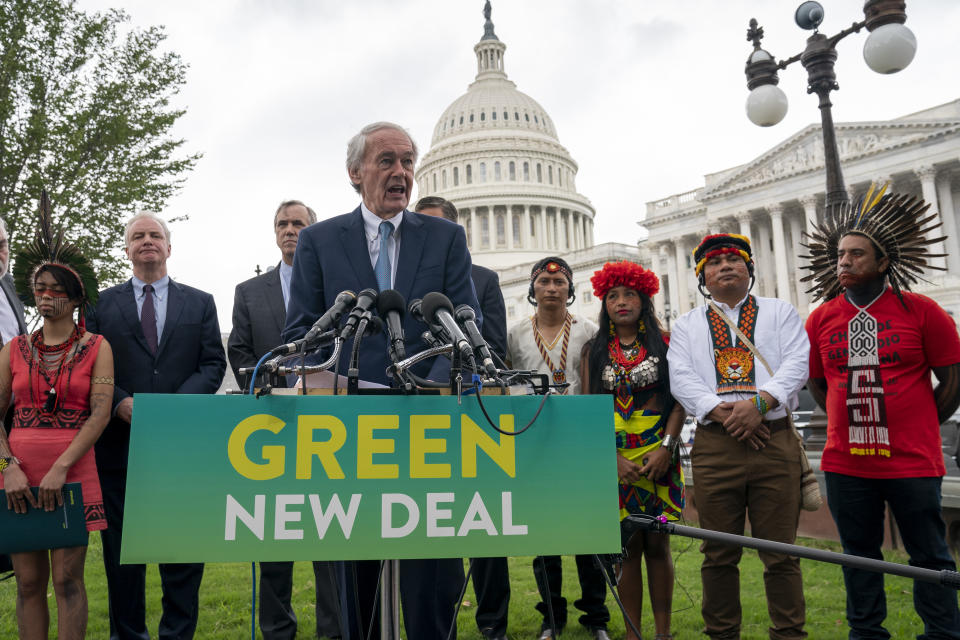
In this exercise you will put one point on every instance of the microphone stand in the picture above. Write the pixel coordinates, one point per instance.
(353, 372)
(661, 525)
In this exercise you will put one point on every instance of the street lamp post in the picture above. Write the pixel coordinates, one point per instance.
(889, 48)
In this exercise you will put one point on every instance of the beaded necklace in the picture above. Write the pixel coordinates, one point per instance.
(559, 372)
(50, 360)
(622, 363)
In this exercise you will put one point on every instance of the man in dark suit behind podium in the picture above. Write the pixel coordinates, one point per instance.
(166, 339)
(259, 313)
(491, 579)
(381, 245)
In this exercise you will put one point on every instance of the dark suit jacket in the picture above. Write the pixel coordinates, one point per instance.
(189, 358)
(258, 319)
(6, 283)
(494, 329)
(332, 256)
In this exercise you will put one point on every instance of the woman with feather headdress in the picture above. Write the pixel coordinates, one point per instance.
(61, 381)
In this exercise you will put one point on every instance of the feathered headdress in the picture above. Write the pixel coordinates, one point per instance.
(625, 273)
(895, 223)
(49, 248)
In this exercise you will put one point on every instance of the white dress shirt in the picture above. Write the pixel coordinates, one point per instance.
(9, 327)
(371, 227)
(779, 337)
(286, 272)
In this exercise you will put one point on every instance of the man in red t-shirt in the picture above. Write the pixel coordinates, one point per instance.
(872, 348)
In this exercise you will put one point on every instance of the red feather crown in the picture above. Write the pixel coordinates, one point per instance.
(624, 273)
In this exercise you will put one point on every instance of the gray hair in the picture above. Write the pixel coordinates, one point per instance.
(311, 214)
(3, 228)
(357, 147)
(150, 215)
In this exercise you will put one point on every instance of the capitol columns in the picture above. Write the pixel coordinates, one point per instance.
(928, 178)
(948, 215)
(508, 223)
(659, 259)
(674, 280)
(779, 251)
(542, 231)
(474, 230)
(795, 239)
(743, 219)
(571, 245)
(525, 229)
(683, 293)
(809, 204)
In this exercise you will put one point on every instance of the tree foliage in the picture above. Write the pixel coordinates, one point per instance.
(85, 112)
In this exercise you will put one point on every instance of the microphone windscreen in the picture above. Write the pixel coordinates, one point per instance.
(391, 300)
(433, 302)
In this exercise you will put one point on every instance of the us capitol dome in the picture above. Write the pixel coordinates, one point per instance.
(495, 154)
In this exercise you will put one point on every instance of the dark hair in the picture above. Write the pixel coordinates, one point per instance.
(448, 208)
(571, 294)
(70, 283)
(652, 340)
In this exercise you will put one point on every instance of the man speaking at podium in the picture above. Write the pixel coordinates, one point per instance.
(380, 245)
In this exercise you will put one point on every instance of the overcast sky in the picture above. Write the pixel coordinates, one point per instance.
(646, 95)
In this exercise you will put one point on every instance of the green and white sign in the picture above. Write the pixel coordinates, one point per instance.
(235, 478)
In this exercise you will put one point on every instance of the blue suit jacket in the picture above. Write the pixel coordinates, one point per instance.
(189, 358)
(332, 256)
(494, 329)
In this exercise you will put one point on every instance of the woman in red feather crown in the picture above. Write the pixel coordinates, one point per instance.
(628, 359)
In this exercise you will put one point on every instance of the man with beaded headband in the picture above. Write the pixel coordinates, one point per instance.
(745, 457)
(61, 380)
(627, 359)
(551, 342)
(874, 345)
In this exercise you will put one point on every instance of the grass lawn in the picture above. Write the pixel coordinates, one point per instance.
(225, 600)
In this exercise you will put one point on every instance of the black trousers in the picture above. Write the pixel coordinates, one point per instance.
(278, 621)
(548, 571)
(491, 582)
(125, 584)
(429, 592)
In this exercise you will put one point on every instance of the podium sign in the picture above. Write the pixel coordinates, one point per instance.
(235, 478)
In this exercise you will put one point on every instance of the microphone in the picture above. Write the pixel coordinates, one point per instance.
(467, 317)
(391, 306)
(439, 333)
(437, 307)
(330, 319)
(365, 301)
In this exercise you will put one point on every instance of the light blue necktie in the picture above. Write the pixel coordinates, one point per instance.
(382, 268)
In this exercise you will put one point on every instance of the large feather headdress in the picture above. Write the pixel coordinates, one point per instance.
(49, 248)
(896, 223)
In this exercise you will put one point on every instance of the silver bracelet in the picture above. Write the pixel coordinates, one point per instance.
(670, 443)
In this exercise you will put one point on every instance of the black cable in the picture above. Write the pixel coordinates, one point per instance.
(376, 601)
(616, 597)
(463, 592)
(478, 388)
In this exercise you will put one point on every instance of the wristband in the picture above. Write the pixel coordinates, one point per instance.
(5, 462)
(670, 443)
(760, 403)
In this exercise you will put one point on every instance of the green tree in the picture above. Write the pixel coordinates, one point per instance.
(85, 113)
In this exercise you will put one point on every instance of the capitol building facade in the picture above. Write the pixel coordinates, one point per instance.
(780, 194)
(496, 155)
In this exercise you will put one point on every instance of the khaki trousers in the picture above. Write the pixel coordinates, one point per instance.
(732, 481)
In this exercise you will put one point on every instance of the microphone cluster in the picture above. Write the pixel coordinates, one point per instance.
(368, 313)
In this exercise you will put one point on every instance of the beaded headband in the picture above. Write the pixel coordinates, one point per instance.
(718, 244)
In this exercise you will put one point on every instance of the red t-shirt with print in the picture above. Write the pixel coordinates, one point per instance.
(912, 340)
